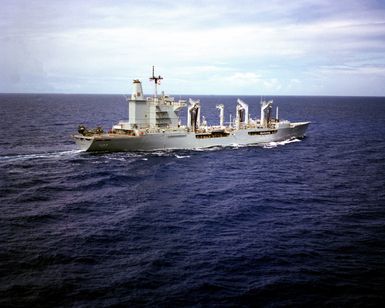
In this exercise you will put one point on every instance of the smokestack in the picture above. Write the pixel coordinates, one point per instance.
(137, 91)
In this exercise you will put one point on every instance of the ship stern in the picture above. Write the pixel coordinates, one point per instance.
(84, 143)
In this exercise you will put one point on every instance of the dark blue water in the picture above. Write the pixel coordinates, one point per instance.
(289, 224)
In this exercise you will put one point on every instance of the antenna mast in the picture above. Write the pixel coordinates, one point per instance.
(156, 81)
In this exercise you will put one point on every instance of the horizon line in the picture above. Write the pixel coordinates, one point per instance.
(150, 95)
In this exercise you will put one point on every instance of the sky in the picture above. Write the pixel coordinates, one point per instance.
(273, 47)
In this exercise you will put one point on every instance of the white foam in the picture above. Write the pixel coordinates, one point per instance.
(61, 154)
(291, 140)
(23, 157)
(214, 148)
(161, 153)
(273, 144)
(238, 146)
(117, 158)
(182, 156)
(270, 145)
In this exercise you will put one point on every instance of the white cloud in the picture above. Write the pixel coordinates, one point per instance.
(246, 78)
(263, 46)
(353, 70)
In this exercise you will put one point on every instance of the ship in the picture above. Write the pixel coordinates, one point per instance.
(154, 124)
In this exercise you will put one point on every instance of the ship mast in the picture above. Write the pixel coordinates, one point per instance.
(156, 81)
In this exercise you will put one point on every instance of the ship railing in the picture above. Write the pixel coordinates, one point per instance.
(166, 102)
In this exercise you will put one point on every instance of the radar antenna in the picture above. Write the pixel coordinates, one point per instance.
(156, 81)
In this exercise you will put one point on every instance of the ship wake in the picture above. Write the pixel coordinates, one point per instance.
(32, 156)
(179, 154)
(271, 145)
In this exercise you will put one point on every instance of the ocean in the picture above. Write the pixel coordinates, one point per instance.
(293, 223)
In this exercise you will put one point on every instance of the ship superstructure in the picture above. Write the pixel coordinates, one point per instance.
(154, 124)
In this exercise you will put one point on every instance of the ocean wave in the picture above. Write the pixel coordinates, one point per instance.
(274, 144)
(129, 156)
(182, 156)
(227, 226)
(23, 157)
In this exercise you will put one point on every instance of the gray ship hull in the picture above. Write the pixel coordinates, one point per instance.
(184, 139)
